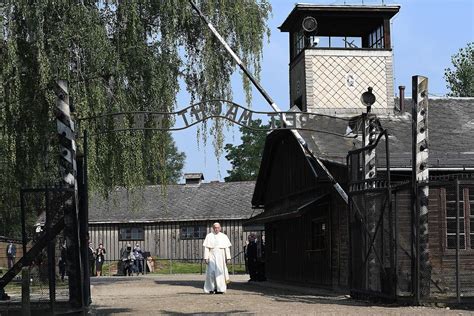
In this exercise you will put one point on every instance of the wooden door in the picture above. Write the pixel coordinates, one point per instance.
(318, 253)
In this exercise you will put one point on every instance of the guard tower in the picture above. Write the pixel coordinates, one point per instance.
(336, 52)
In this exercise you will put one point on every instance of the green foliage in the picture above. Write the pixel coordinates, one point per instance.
(245, 158)
(164, 266)
(172, 168)
(460, 80)
(117, 56)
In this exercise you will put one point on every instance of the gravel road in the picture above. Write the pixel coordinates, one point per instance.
(182, 294)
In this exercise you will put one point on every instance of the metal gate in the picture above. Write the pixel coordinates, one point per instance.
(372, 270)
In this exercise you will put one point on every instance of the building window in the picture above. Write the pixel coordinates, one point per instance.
(376, 38)
(466, 217)
(193, 232)
(299, 39)
(318, 235)
(316, 41)
(131, 233)
(335, 41)
(470, 205)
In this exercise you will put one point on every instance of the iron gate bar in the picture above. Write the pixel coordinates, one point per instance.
(393, 262)
(372, 190)
(462, 177)
(388, 200)
(50, 189)
(359, 150)
(82, 180)
(221, 117)
(23, 221)
(458, 297)
(443, 183)
(372, 242)
(51, 254)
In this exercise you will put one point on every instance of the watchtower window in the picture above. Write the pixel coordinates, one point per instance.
(376, 38)
(299, 42)
(335, 41)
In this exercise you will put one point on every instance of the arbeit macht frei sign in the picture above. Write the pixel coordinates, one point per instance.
(196, 113)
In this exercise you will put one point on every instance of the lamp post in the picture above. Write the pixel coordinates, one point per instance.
(369, 136)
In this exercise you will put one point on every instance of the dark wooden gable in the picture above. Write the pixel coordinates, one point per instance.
(286, 179)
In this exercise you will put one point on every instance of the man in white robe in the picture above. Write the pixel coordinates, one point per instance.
(216, 252)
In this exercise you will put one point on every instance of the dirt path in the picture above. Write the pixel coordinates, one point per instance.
(182, 294)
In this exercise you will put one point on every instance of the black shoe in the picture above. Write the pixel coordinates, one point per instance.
(219, 292)
(4, 297)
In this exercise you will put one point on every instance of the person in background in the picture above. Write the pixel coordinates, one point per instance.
(251, 255)
(62, 262)
(151, 264)
(261, 258)
(99, 259)
(38, 229)
(138, 255)
(127, 260)
(11, 254)
(91, 259)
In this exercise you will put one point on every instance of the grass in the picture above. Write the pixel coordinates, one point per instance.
(35, 286)
(164, 266)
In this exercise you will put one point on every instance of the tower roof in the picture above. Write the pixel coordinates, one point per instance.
(339, 19)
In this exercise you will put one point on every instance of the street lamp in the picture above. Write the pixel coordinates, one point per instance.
(368, 99)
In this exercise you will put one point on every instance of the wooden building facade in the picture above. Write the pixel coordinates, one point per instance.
(305, 220)
(167, 240)
(442, 235)
(171, 222)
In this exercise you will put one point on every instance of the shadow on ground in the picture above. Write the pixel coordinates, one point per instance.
(276, 292)
(279, 294)
(108, 310)
(232, 312)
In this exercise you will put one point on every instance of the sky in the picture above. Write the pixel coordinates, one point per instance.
(425, 34)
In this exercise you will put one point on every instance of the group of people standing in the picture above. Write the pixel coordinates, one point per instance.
(133, 260)
(96, 259)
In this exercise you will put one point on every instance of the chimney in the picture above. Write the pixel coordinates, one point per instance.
(193, 178)
(401, 98)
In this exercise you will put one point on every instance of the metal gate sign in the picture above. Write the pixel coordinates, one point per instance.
(200, 112)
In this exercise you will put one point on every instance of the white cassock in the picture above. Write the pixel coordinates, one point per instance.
(216, 250)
